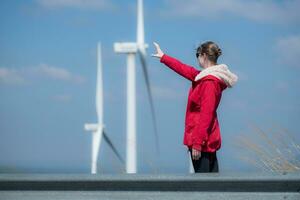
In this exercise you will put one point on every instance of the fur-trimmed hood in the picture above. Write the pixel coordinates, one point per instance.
(220, 71)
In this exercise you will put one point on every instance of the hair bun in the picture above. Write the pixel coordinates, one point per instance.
(219, 52)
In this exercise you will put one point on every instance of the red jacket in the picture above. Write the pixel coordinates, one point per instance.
(202, 131)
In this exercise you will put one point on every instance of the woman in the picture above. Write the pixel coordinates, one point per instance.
(202, 132)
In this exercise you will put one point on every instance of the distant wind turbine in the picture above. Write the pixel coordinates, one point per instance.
(131, 49)
(98, 129)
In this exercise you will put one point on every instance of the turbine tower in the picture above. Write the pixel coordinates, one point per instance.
(98, 129)
(131, 49)
(191, 168)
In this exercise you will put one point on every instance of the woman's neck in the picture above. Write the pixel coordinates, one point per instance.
(209, 64)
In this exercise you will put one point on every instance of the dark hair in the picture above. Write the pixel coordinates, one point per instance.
(211, 49)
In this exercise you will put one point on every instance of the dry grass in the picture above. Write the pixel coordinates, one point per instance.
(274, 151)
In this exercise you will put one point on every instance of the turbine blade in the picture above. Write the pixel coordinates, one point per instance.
(99, 86)
(140, 23)
(106, 138)
(142, 55)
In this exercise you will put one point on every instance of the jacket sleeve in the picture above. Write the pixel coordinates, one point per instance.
(207, 112)
(184, 70)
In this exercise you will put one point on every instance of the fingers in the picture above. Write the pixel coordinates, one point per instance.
(155, 55)
(159, 52)
(156, 46)
(157, 49)
(196, 154)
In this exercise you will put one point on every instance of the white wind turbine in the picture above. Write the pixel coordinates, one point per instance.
(131, 49)
(191, 168)
(98, 129)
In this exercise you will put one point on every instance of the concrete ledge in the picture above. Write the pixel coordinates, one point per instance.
(215, 182)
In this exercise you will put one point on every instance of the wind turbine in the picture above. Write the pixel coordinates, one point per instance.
(191, 168)
(131, 49)
(98, 128)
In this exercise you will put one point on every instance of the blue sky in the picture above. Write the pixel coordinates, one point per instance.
(48, 75)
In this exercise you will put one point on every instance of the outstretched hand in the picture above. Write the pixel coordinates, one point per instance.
(159, 52)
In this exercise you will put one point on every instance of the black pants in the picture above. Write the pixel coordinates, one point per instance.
(208, 162)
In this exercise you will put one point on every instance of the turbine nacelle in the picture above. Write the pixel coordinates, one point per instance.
(128, 47)
(93, 127)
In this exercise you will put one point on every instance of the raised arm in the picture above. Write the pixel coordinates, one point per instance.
(182, 69)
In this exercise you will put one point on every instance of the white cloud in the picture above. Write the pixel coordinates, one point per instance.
(25, 75)
(57, 73)
(261, 11)
(288, 50)
(11, 76)
(81, 4)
